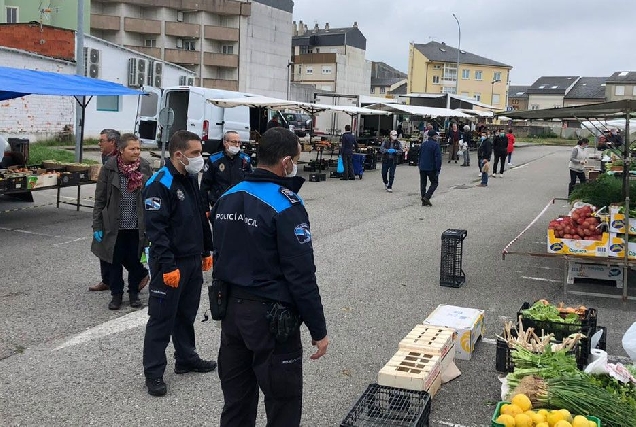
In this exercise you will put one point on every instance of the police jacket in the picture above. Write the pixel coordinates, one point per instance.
(262, 244)
(175, 217)
(430, 158)
(348, 143)
(222, 172)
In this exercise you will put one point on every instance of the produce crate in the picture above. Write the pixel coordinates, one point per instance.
(617, 246)
(68, 178)
(589, 248)
(617, 222)
(450, 270)
(16, 183)
(386, 406)
(560, 330)
(494, 423)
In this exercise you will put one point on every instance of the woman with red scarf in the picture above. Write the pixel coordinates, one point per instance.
(118, 223)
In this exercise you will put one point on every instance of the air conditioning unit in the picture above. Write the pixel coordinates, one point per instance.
(179, 43)
(151, 73)
(142, 71)
(93, 63)
(132, 72)
(157, 68)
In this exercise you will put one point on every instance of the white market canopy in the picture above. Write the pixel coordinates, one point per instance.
(416, 110)
(477, 113)
(471, 101)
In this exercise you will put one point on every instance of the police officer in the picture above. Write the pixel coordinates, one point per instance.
(180, 243)
(263, 252)
(224, 169)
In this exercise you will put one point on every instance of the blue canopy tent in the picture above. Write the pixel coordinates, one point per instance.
(15, 83)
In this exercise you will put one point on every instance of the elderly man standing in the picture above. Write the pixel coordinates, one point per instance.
(430, 164)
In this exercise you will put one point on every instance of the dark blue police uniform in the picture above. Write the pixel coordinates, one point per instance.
(221, 172)
(179, 235)
(263, 251)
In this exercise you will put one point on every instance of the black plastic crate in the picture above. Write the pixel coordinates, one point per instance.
(387, 406)
(69, 178)
(560, 330)
(450, 271)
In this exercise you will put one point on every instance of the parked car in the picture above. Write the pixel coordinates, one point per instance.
(301, 122)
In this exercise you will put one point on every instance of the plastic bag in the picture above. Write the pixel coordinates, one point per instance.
(598, 365)
(578, 205)
(340, 167)
(460, 153)
(629, 342)
(505, 388)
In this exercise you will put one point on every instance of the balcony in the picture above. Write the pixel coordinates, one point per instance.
(220, 60)
(221, 7)
(105, 22)
(212, 32)
(315, 58)
(181, 29)
(152, 51)
(142, 26)
(221, 84)
(180, 56)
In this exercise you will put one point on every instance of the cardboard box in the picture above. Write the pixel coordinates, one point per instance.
(46, 180)
(591, 248)
(410, 370)
(578, 270)
(617, 247)
(430, 339)
(617, 222)
(468, 324)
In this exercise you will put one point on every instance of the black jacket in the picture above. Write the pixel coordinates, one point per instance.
(500, 145)
(485, 149)
(175, 219)
(262, 244)
(348, 143)
(222, 172)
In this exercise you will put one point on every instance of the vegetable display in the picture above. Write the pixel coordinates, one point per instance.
(527, 339)
(542, 310)
(548, 364)
(581, 225)
(519, 413)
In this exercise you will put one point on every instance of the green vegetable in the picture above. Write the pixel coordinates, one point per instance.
(549, 364)
(625, 392)
(604, 191)
(548, 312)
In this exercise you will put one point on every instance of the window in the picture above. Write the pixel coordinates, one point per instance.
(534, 107)
(478, 75)
(300, 69)
(325, 87)
(477, 96)
(150, 42)
(309, 70)
(465, 74)
(228, 49)
(317, 50)
(303, 50)
(437, 67)
(496, 76)
(436, 80)
(465, 94)
(619, 90)
(372, 90)
(12, 15)
(189, 45)
(326, 69)
(382, 90)
(514, 102)
(108, 103)
(496, 99)
(448, 89)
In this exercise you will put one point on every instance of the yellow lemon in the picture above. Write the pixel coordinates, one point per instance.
(554, 417)
(566, 415)
(544, 413)
(580, 421)
(522, 401)
(506, 420)
(543, 424)
(504, 408)
(592, 423)
(538, 417)
(563, 423)
(522, 420)
(514, 410)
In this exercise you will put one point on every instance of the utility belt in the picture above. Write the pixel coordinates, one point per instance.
(284, 321)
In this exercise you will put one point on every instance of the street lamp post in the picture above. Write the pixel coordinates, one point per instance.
(289, 71)
(492, 89)
(459, 45)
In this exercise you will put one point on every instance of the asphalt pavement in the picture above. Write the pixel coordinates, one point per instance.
(65, 359)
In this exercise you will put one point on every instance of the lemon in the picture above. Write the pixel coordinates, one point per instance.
(522, 420)
(511, 410)
(538, 417)
(543, 424)
(580, 421)
(543, 412)
(563, 423)
(506, 420)
(592, 423)
(566, 415)
(504, 408)
(554, 417)
(522, 401)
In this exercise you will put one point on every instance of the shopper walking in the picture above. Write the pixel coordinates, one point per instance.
(511, 146)
(454, 135)
(484, 150)
(180, 244)
(391, 151)
(430, 164)
(348, 144)
(578, 159)
(500, 147)
(467, 137)
(118, 219)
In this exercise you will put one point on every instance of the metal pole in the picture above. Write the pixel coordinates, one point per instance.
(79, 70)
(626, 167)
(289, 65)
(459, 45)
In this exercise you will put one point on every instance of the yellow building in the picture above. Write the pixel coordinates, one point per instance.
(433, 69)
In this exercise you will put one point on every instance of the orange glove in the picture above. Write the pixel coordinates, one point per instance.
(206, 263)
(172, 279)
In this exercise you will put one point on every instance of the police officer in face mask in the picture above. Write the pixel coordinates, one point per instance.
(224, 169)
(264, 260)
(180, 244)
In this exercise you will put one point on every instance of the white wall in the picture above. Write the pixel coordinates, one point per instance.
(544, 101)
(265, 49)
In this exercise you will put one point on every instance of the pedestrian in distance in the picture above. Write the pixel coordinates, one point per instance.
(467, 138)
(454, 135)
(391, 151)
(485, 171)
(430, 164)
(108, 140)
(180, 244)
(484, 151)
(263, 256)
(348, 145)
(511, 146)
(500, 147)
(118, 220)
(578, 159)
(224, 169)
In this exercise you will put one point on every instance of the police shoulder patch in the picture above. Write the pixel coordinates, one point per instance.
(222, 167)
(152, 203)
(302, 233)
(290, 195)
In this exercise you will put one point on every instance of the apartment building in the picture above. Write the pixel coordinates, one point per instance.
(518, 98)
(386, 81)
(433, 69)
(621, 85)
(56, 13)
(229, 44)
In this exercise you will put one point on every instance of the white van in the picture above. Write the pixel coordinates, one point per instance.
(192, 112)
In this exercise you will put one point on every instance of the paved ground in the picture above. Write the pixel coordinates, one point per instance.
(66, 360)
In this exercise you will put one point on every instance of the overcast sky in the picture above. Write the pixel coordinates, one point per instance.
(536, 37)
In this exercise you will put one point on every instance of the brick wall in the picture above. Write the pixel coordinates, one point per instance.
(48, 41)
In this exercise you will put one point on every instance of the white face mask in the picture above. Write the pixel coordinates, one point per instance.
(233, 150)
(195, 165)
(293, 172)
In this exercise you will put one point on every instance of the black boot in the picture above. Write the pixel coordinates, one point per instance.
(135, 302)
(156, 386)
(115, 303)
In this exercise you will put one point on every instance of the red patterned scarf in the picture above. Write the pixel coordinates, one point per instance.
(131, 172)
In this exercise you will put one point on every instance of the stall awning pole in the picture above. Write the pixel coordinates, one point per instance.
(626, 167)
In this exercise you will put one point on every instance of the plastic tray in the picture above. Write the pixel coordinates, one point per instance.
(560, 330)
(494, 423)
(388, 406)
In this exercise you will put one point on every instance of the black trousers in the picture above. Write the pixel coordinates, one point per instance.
(104, 269)
(126, 254)
(501, 157)
(426, 176)
(172, 313)
(347, 162)
(573, 176)
(249, 358)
